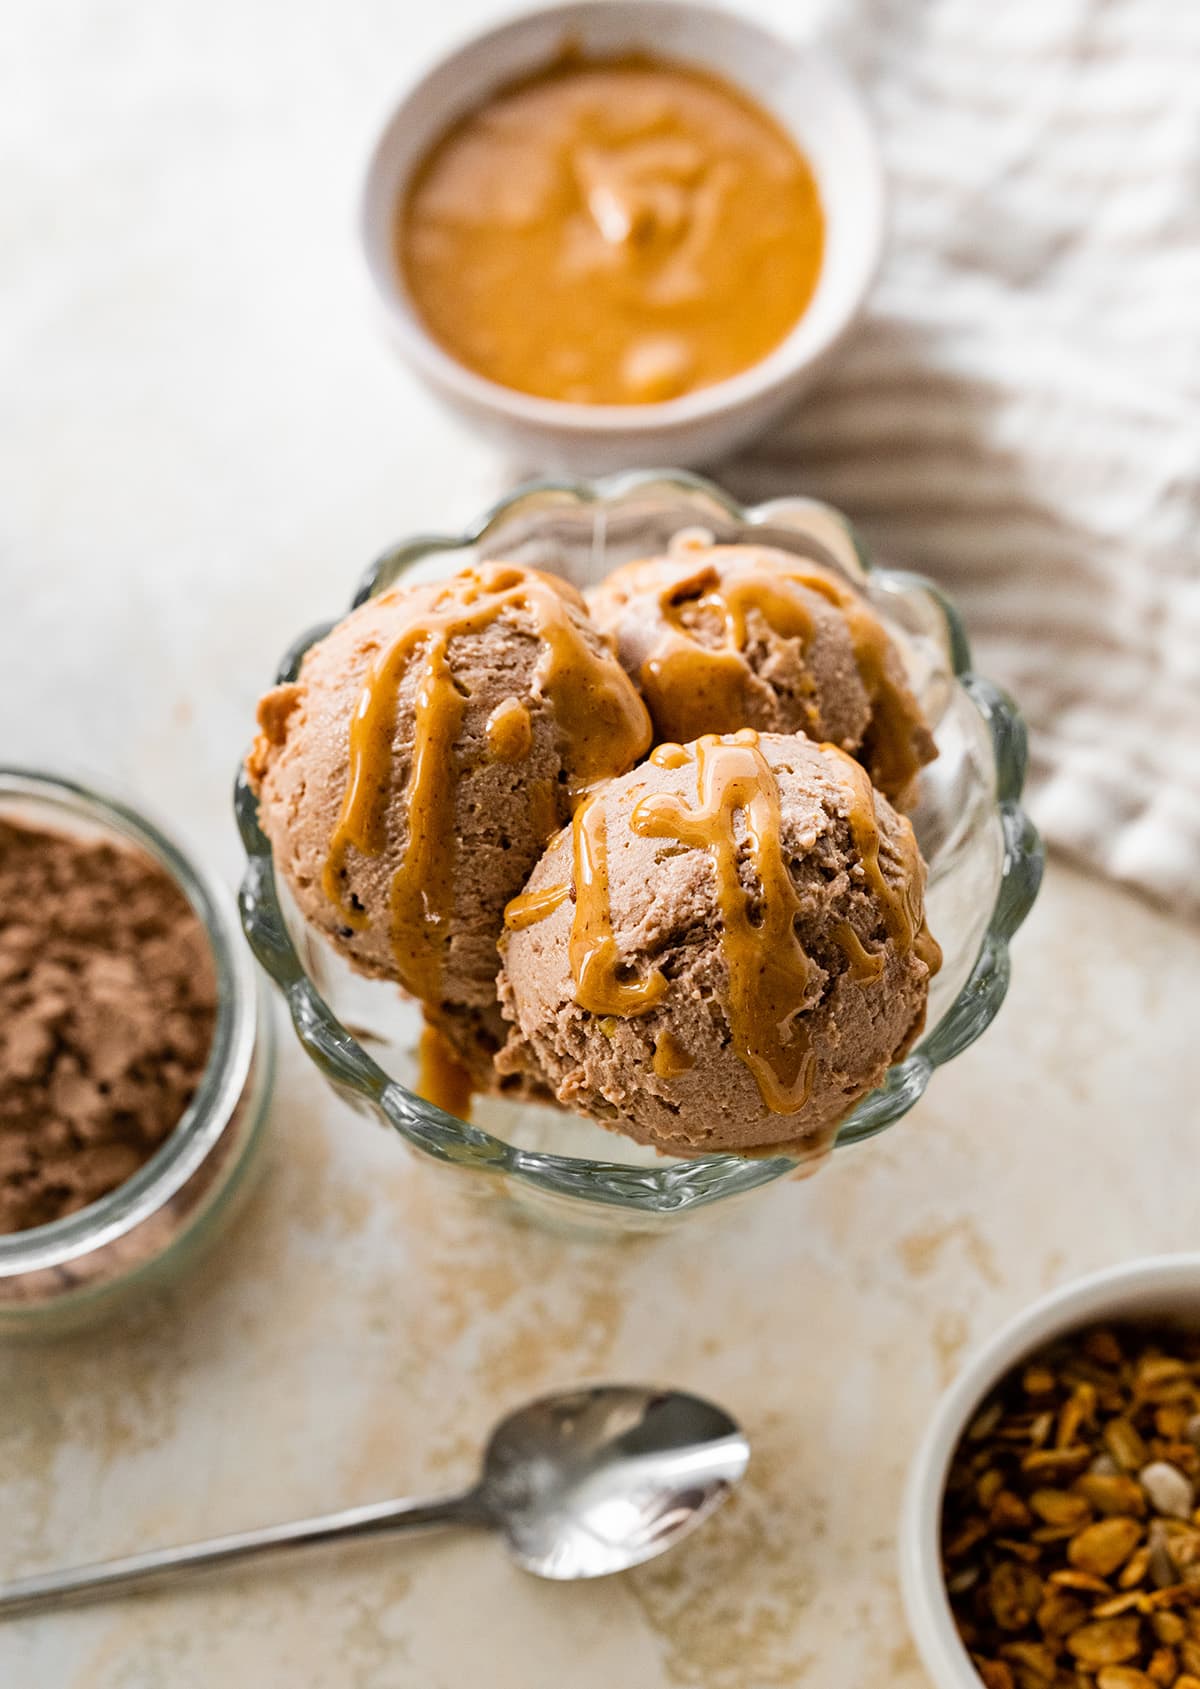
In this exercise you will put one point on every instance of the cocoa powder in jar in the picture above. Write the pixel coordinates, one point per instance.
(107, 1010)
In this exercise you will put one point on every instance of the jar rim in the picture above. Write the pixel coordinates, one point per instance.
(204, 1121)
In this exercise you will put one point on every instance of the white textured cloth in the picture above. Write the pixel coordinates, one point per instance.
(1019, 415)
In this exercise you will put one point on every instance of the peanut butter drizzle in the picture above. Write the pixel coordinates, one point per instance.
(597, 966)
(769, 972)
(692, 688)
(510, 731)
(902, 904)
(670, 1057)
(533, 906)
(441, 1078)
(602, 721)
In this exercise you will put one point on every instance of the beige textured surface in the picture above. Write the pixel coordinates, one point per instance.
(203, 445)
(356, 1336)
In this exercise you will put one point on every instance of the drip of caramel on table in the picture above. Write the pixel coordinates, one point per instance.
(601, 721)
(769, 971)
(693, 688)
(616, 231)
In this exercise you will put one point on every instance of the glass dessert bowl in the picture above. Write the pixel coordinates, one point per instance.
(983, 855)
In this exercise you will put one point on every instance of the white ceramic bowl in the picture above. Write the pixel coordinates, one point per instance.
(1164, 1287)
(798, 83)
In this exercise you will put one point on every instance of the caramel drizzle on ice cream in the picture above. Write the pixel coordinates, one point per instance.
(510, 731)
(670, 1057)
(533, 906)
(902, 902)
(604, 982)
(602, 722)
(768, 969)
(769, 972)
(693, 688)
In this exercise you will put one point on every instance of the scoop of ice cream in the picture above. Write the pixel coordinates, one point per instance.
(726, 637)
(725, 950)
(435, 739)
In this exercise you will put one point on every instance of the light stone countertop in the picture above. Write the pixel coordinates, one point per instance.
(202, 445)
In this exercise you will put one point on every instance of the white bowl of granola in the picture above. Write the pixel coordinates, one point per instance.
(1161, 1291)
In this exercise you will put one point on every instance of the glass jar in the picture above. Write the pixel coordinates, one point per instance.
(983, 855)
(70, 1272)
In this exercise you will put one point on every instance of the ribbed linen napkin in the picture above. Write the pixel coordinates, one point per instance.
(1019, 414)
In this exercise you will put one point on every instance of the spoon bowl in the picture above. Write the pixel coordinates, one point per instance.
(595, 1481)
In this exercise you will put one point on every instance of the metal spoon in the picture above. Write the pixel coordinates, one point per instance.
(579, 1485)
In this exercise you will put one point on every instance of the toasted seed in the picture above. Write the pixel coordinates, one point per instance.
(1078, 1410)
(1122, 1677)
(1102, 1346)
(1041, 1428)
(1014, 1595)
(994, 1674)
(1189, 1654)
(1118, 1493)
(1169, 1491)
(1135, 1568)
(1187, 1681)
(1131, 1600)
(1103, 1547)
(1124, 1444)
(1059, 1463)
(984, 1422)
(964, 1541)
(1106, 1642)
(1061, 1507)
(1174, 1595)
(1060, 1613)
(1163, 1668)
(989, 1485)
(1162, 1378)
(1163, 1570)
(1009, 1513)
(1067, 1579)
(1033, 1657)
(1172, 1419)
(1168, 1627)
(1038, 1381)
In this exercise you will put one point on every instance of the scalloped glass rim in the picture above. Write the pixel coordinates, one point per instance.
(704, 1179)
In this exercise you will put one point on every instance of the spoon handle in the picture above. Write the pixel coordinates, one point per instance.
(162, 1566)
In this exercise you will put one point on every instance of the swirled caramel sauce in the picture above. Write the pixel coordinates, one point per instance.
(602, 724)
(612, 231)
(693, 688)
(769, 972)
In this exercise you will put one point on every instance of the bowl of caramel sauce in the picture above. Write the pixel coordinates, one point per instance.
(615, 232)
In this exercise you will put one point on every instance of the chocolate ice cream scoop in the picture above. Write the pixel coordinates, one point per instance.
(725, 950)
(724, 637)
(435, 739)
